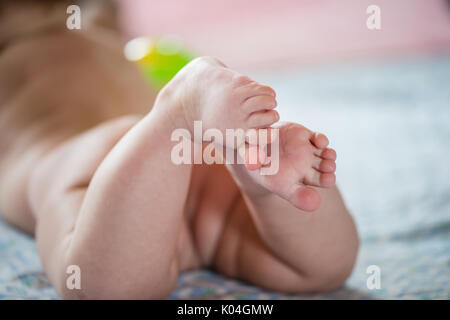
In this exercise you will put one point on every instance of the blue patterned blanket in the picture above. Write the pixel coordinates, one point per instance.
(390, 122)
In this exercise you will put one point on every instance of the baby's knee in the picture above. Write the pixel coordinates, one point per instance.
(322, 276)
(330, 277)
(323, 281)
(331, 280)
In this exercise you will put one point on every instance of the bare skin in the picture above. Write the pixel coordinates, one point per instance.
(90, 176)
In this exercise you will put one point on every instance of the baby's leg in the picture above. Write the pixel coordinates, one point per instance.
(274, 245)
(288, 242)
(121, 223)
(108, 200)
(300, 236)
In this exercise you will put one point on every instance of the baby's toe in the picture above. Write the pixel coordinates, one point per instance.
(327, 180)
(325, 166)
(257, 89)
(319, 140)
(259, 103)
(319, 179)
(246, 89)
(262, 119)
(305, 198)
(327, 153)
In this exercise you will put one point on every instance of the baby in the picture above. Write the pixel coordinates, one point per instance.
(85, 166)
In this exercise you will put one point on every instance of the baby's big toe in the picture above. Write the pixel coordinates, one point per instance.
(305, 198)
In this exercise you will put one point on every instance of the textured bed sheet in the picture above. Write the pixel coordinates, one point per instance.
(390, 122)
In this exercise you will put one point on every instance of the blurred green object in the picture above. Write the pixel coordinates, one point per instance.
(158, 58)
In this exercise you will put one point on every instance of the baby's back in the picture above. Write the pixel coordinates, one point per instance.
(52, 87)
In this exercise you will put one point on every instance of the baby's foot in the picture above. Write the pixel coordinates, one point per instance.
(221, 98)
(304, 160)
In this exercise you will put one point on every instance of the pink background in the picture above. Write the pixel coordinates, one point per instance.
(269, 33)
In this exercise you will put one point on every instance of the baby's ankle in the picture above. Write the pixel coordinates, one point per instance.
(169, 103)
